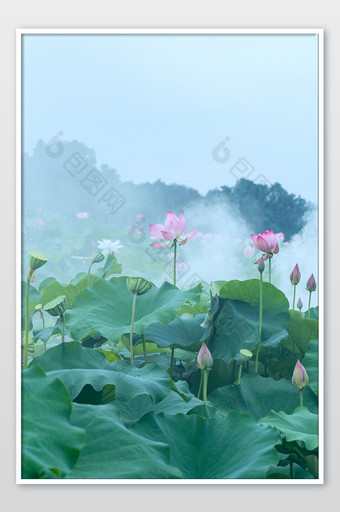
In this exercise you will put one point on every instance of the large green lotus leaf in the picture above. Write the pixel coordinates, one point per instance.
(302, 425)
(181, 332)
(50, 443)
(55, 289)
(77, 367)
(301, 330)
(173, 403)
(106, 307)
(258, 395)
(249, 291)
(311, 364)
(113, 451)
(237, 326)
(229, 447)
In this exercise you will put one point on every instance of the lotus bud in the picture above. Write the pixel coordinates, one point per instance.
(299, 304)
(311, 284)
(300, 377)
(36, 260)
(261, 265)
(138, 285)
(56, 307)
(295, 275)
(245, 354)
(204, 358)
(97, 256)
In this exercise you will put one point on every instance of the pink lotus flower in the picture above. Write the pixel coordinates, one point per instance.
(295, 275)
(268, 243)
(311, 284)
(204, 358)
(300, 377)
(82, 215)
(39, 222)
(249, 251)
(172, 229)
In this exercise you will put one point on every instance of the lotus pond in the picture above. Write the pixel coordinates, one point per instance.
(123, 379)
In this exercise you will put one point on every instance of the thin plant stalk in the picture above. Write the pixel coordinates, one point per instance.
(175, 257)
(270, 270)
(62, 329)
(172, 357)
(301, 397)
(132, 323)
(27, 317)
(205, 385)
(294, 296)
(240, 373)
(309, 301)
(260, 322)
(88, 275)
(200, 386)
(144, 350)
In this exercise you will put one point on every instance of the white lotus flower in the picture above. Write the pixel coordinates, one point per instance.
(109, 246)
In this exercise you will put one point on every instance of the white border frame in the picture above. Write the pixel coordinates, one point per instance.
(143, 31)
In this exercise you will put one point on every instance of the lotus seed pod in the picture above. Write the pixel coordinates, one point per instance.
(300, 377)
(245, 354)
(204, 358)
(138, 285)
(56, 307)
(36, 260)
(97, 256)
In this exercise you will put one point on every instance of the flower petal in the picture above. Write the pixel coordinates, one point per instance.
(171, 222)
(168, 235)
(262, 244)
(156, 230)
(159, 245)
(190, 234)
(182, 222)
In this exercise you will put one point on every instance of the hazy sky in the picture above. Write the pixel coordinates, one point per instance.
(156, 106)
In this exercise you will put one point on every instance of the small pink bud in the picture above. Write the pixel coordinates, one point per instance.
(299, 304)
(204, 358)
(260, 266)
(311, 284)
(295, 275)
(300, 377)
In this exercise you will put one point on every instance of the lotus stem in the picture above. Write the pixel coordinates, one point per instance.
(205, 385)
(270, 270)
(27, 318)
(260, 323)
(294, 296)
(88, 275)
(301, 396)
(144, 350)
(175, 257)
(172, 357)
(63, 328)
(240, 373)
(200, 386)
(132, 323)
(309, 301)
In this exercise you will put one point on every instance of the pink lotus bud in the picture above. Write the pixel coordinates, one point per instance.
(295, 275)
(204, 358)
(261, 266)
(311, 284)
(299, 304)
(300, 377)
